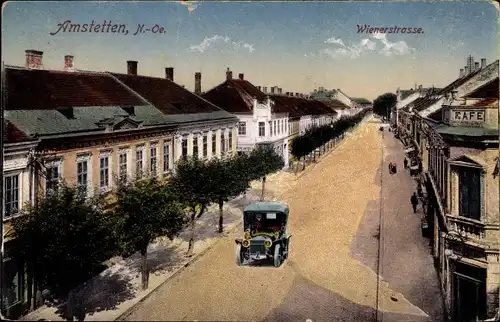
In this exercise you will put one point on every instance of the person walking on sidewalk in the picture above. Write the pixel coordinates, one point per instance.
(405, 162)
(414, 202)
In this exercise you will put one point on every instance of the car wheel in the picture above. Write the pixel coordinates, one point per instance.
(239, 255)
(277, 255)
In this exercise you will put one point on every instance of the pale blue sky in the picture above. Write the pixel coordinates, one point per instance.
(285, 42)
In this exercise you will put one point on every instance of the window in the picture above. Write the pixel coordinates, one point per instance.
(469, 193)
(282, 126)
(222, 143)
(214, 144)
(122, 164)
(262, 129)
(153, 161)
(11, 195)
(205, 145)
(184, 150)
(230, 140)
(139, 163)
(195, 146)
(242, 128)
(274, 127)
(104, 171)
(52, 179)
(82, 175)
(166, 157)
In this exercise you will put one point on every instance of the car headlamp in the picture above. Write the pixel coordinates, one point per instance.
(276, 234)
(245, 243)
(248, 235)
(268, 243)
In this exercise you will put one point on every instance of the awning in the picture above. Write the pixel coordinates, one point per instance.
(409, 150)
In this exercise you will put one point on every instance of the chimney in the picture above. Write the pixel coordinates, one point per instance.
(291, 94)
(241, 76)
(272, 90)
(68, 63)
(34, 58)
(259, 88)
(483, 63)
(169, 73)
(264, 89)
(197, 83)
(297, 94)
(131, 67)
(229, 74)
(280, 90)
(476, 66)
(466, 70)
(287, 93)
(461, 72)
(419, 87)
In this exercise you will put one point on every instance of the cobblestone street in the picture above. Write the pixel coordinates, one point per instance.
(331, 274)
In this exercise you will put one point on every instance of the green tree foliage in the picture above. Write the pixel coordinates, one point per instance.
(64, 240)
(194, 186)
(263, 161)
(230, 178)
(147, 209)
(361, 100)
(317, 137)
(383, 104)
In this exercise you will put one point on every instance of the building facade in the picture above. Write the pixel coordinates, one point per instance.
(456, 133)
(94, 128)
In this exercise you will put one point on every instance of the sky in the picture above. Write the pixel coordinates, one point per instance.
(296, 46)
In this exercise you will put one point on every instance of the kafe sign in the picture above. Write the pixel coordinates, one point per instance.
(467, 116)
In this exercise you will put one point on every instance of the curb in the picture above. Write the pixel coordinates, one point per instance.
(193, 259)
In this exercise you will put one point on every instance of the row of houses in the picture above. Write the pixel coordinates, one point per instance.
(454, 134)
(90, 128)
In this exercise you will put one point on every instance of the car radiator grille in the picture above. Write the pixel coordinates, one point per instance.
(257, 248)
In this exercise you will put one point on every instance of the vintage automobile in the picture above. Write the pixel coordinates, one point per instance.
(265, 233)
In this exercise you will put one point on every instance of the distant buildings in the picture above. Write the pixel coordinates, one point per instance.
(267, 117)
(455, 131)
(337, 100)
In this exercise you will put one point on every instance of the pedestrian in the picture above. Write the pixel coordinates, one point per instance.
(405, 162)
(420, 193)
(414, 202)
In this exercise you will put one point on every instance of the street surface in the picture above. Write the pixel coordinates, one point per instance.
(331, 274)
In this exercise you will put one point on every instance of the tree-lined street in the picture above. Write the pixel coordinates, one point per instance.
(331, 274)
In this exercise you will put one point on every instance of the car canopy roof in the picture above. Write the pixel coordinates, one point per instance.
(266, 206)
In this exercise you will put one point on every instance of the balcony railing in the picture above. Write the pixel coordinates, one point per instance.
(467, 228)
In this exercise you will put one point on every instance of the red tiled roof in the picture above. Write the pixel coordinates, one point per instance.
(335, 104)
(166, 95)
(236, 96)
(14, 135)
(486, 91)
(299, 106)
(486, 102)
(30, 89)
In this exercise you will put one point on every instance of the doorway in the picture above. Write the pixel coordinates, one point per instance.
(469, 293)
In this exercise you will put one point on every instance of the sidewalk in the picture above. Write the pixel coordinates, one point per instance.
(117, 289)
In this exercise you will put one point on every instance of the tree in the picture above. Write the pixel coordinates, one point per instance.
(194, 187)
(361, 100)
(298, 148)
(383, 104)
(263, 161)
(64, 232)
(147, 209)
(229, 179)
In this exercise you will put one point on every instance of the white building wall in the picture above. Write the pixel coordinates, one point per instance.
(276, 129)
